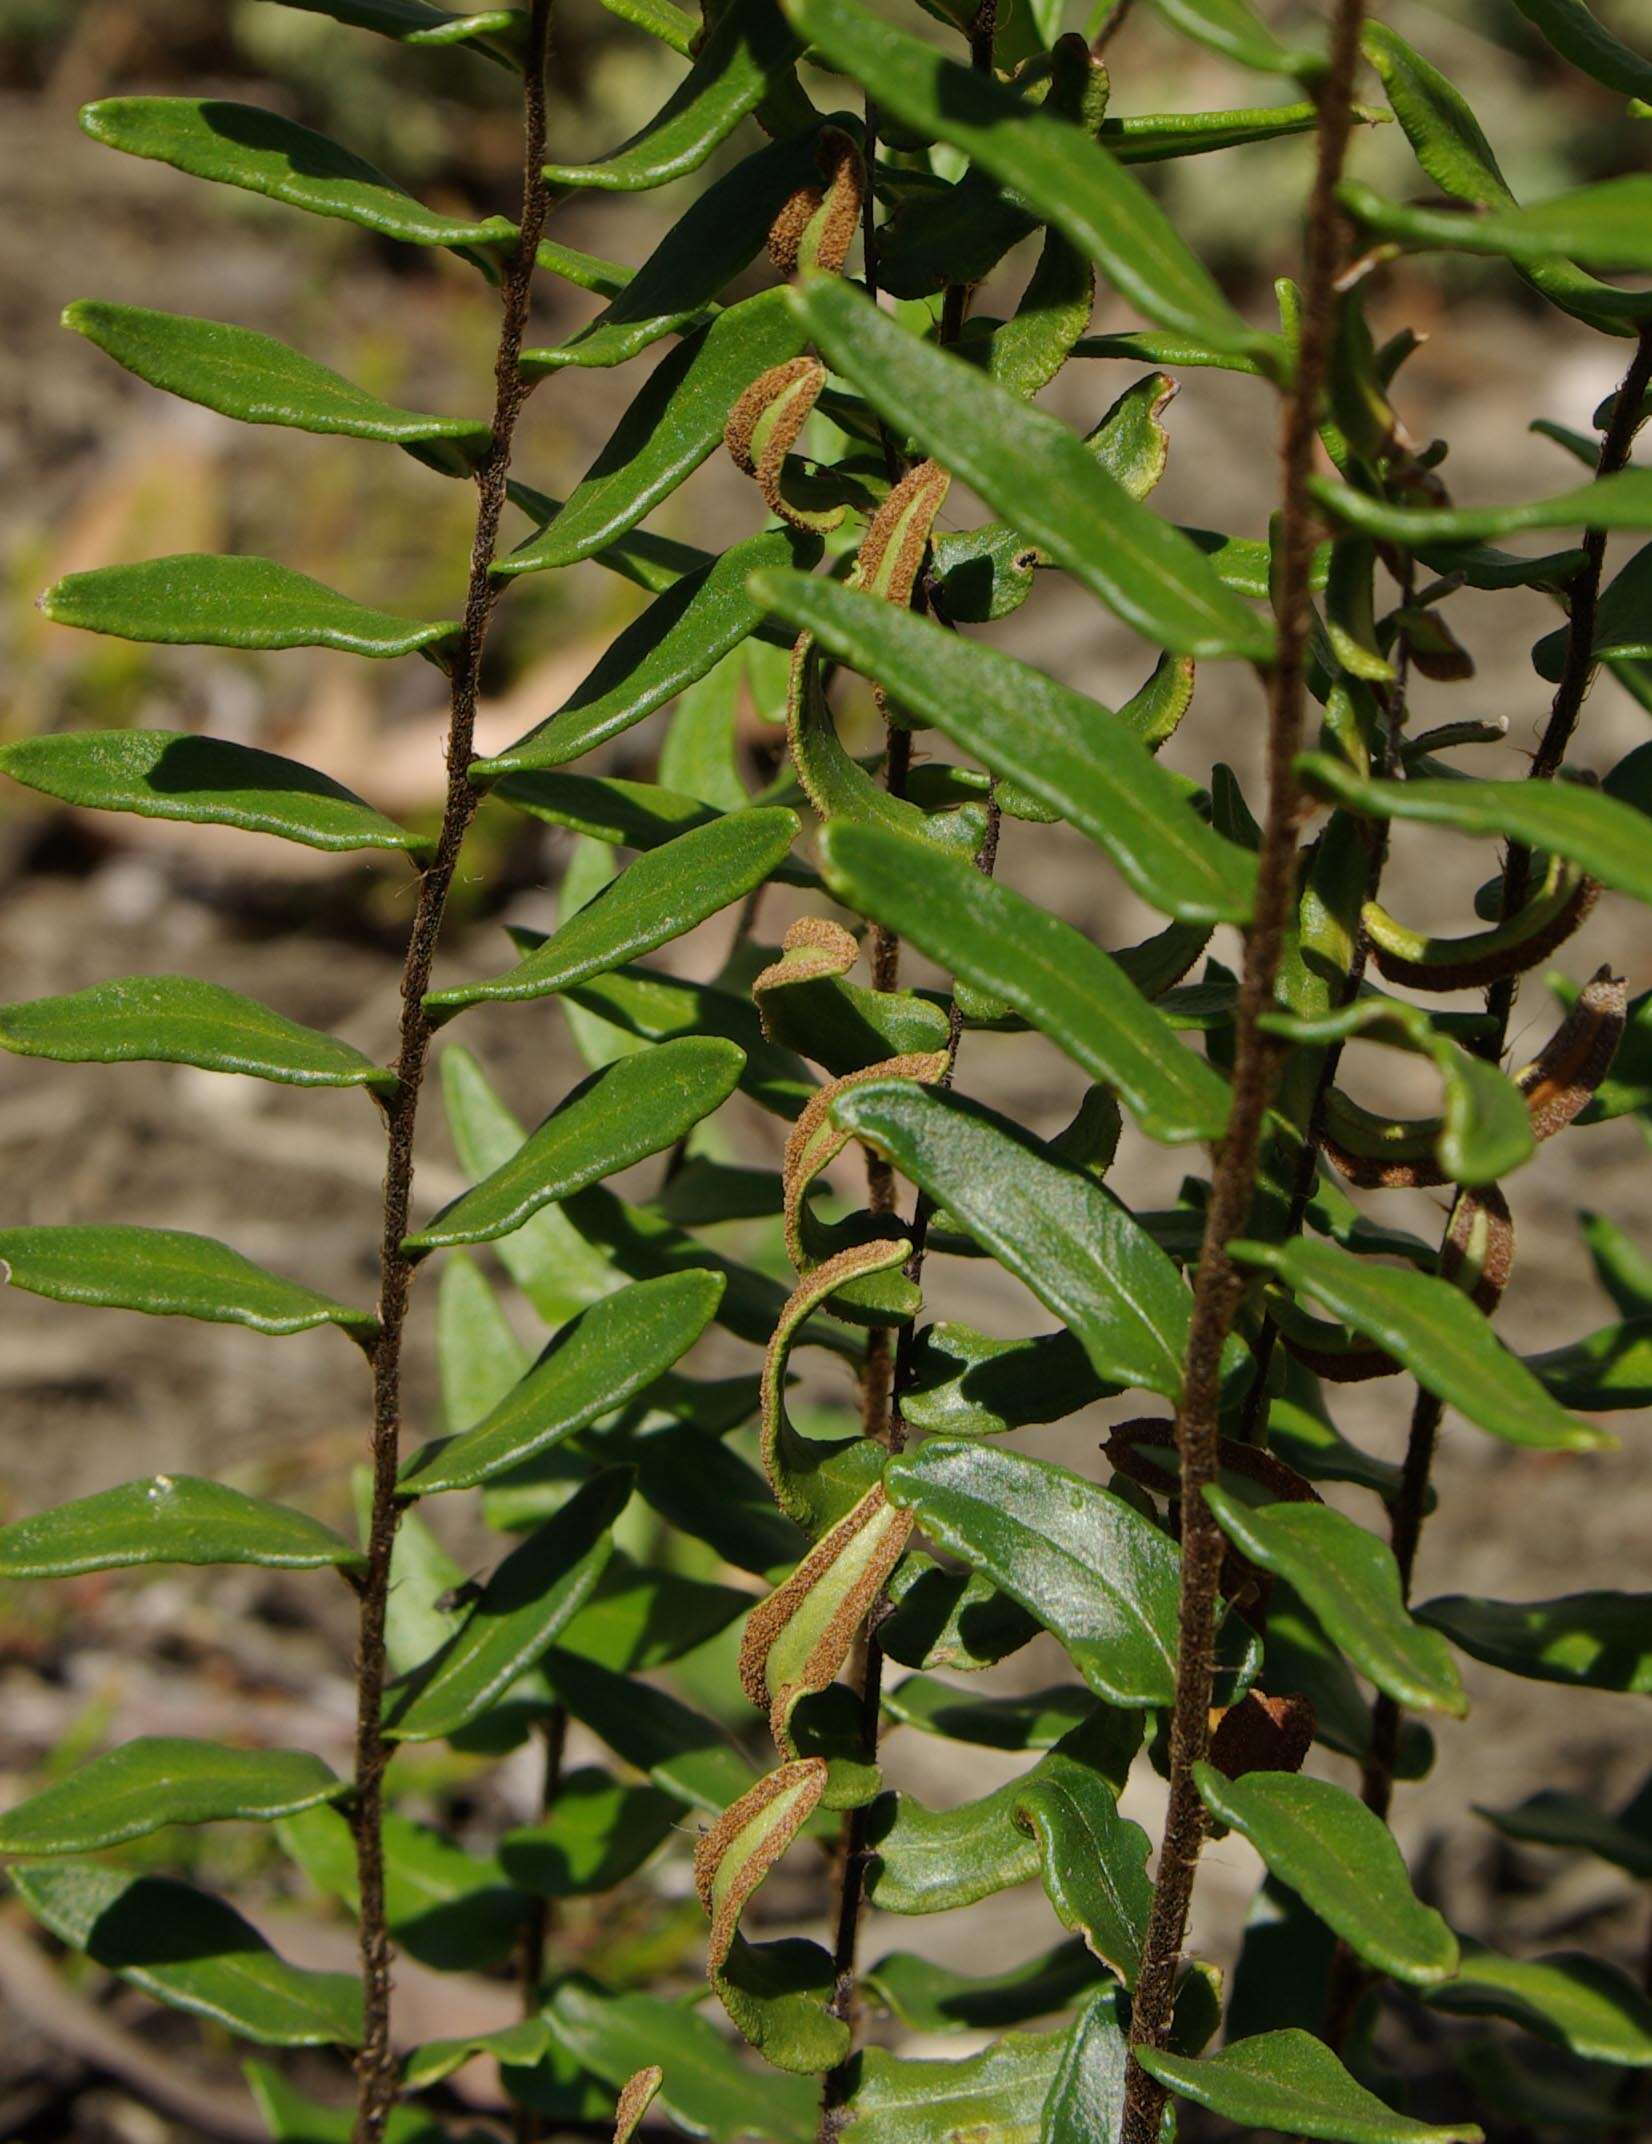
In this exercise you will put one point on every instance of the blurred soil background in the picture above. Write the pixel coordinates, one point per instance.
(97, 468)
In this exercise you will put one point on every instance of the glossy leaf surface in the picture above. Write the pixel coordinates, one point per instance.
(239, 145)
(1068, 751)
(1077, 1557)
(676, 420)
(1062, 174)
(1434, 1329)
(1034, 471)
(611, 1352)
(1342, 1862)
(171, 774)
(1580, 2002)
(662, 895)
(203, 599)
(536, 1590)
(1292, 2082)
(683, 634)
(749, 46)
(1595, 1641)
(1602, 834)
(155, 1780)
(167, 1273)
(634, 1107)
(192, 1952)
(169, 1518)
(175, 1019)
(1349, 1579)
(1052, 1226)
(240, 373)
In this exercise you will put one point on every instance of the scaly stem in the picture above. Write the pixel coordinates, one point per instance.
(1406, 1518)
(376, 2064)
(1217, 1285)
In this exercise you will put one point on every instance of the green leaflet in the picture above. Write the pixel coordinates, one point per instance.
(1349, 1579)
(663, 894)
(634, 1107)
(200, 599)
(521, 2045)
(449, 1909)
(192, 1952)
(1577, 36)
(640, 1618)
(1578, 2001)
(1568, 1821)
(708, 1491)
(169, 1518)
(610, 1353)
(478, 1356)
(656, 1007)
(650, 562)
(931, 1860)
(1030, 468)
(1050, 973)
(1605, 1370)
(1027, 351)
(155, 1780)
(927, 1997)
(290, 2115)
(1037, 1720)
(533, 1593)
(1485, 1132)
(1604, 226)
(173, 1019)
(641, 1242)
(1448, 143)
(1086, 2097)
(1292, 2082)
(166, 1273)
(171, 774)
(557, 1271)
(597, 1832)
(257, 379)
(626, 815)
(1065, 177)
(496, 32)
(681, 636)
(676, 420)
(1234, 29)
(702, 252)
(840, 788)
(672, 25)
(1152, 137)
(950, 1619)
(1623, 501)
(1342, 1862)
(1434, 1329)
(997, 2096)
(748, 50)
(1079, 1558)
(707, 2090)
(1600, 833)
(239, 145)
(1093, 1862)
(1069, 751)
(966, 1384)
(686, 1755)
(1052, 1226)
(1594, 1641)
